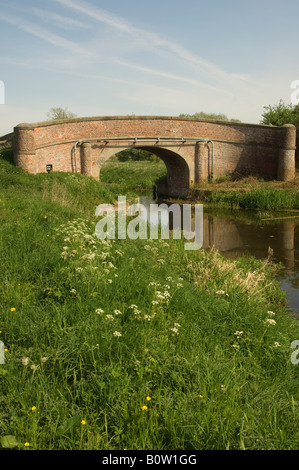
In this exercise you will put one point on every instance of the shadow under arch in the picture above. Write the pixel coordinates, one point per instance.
(178, 173)
(178, 178)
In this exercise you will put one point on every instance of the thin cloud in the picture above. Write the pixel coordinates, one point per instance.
(100, 15)
(59, 20)
(42, 33)
(149, 39)
(171, 76)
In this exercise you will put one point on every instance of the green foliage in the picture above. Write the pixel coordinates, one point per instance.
(9, 442)
(281, 114)
(261, 198)
(213, 116)
(136, 176)
(135, 155)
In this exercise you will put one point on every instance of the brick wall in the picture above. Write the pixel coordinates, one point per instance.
(239, 148)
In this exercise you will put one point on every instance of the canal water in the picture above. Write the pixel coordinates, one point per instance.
(237, 233)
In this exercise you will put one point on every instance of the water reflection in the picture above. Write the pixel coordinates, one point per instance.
(234, 234)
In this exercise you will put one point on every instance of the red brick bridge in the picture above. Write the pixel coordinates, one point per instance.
(193, 150)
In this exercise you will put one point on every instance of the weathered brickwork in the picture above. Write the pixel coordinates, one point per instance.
(192, 150)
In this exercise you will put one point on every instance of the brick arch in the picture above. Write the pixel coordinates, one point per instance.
(201, 149)
(93, 156)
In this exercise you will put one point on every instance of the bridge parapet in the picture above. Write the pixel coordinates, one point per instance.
(192, 149)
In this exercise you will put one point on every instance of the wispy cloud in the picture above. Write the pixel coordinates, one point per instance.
(44, 34)
(151, 40)
(63, 22)
(170, 76)
(101, 15)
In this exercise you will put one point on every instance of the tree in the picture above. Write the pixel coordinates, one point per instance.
(281, 114)
(213, 116)
(135, 155)
(60, 113)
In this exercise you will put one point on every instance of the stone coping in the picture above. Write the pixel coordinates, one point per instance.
(135, 117)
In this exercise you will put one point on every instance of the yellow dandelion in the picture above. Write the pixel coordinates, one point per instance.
(26, 444)
(200, 396)
(148, 398)
(83, 422)
(5, 350)
(12, 309)
(33, 408)
(144, 408)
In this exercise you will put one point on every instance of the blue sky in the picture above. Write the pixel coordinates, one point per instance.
(151, 57)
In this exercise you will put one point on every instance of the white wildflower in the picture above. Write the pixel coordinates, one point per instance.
(109, 317)
(175, 330)
(270, 321)
(238, 333)
(117, 333)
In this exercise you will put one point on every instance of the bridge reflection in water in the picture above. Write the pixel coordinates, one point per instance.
(235, 234)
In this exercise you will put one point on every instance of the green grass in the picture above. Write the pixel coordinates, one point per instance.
(262, 199)
(96, 331)
(249, 193)
(140, 176)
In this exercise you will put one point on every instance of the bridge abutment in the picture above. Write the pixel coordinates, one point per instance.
(286, 161)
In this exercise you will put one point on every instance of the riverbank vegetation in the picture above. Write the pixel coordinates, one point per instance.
(133, 344)
(249, 193)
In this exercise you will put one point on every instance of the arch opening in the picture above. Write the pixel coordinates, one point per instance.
(174, 183)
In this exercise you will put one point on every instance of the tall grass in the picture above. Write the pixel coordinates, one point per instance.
(261, 198)
(123, 344)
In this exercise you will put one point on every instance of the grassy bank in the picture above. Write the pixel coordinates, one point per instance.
(127, 344)
(249, 193)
